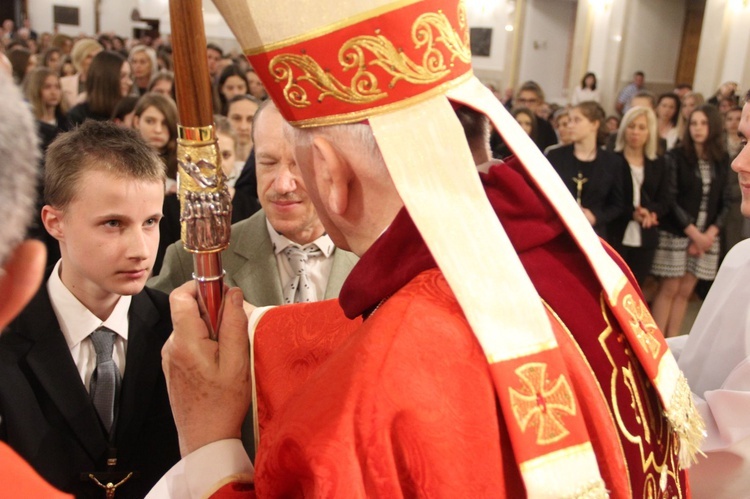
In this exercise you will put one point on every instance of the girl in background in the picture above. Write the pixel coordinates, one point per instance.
(143, 64)
(21, 61)
(155, 119)
(163, 83)
(667, 114)
(42, 90)
(688, 247)
(81, 56)
(636, 235)
(108, 81)
(587, 90)
(232, 82)
(594, 177)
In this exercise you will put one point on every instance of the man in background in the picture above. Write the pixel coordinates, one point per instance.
(626, 94)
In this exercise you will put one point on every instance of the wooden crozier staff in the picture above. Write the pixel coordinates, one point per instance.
(205, 214)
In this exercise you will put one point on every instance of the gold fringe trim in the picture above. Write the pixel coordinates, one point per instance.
(686, 422)
(594, 490)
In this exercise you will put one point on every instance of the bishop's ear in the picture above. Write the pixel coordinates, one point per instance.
(333, 174)
(20, 278)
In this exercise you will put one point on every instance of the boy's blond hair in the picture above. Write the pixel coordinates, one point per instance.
(101, 146)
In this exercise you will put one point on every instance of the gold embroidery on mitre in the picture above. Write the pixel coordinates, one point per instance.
(364, 85)
(643, 324)
(538, 405)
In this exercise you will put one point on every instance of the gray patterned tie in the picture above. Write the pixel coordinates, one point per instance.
(300, 290)
(105, 381)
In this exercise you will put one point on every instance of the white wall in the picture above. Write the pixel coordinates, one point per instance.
(548, 33)
(736, 63)
(495, 14)
(625, 36)
(40, 15)
(725, 41)
(652, 41)
(609, 25)
(712, 47)
(115, 17)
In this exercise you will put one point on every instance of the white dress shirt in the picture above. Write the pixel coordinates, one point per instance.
(318, 267)
(77, 323)
(203, 471)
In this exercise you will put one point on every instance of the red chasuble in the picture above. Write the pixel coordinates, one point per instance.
(18, 479)
(403, 404)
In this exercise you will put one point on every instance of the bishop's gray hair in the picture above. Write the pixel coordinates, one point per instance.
(355, 139)
(19, 150)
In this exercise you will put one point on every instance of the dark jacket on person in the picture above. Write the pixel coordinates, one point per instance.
(685, 181)
(602, 193)
(48, 416)
(656, 196)
(82, 112)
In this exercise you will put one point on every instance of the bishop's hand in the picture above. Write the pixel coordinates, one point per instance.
(208, 381)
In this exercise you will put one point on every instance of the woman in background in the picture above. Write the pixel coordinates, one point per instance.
(21, 61)
(636, 235)
(82, 55)
(66, 68)
(108, 81)
(688, 247)
(593, 176)
(155, 119)
(689, 102)
(163, 83)
(227, 142)
(560, 121)
(124, 111)
(528, 121)
(667, 114)
(587, 91)
(42, 90)
(231, 82)
(143, 65)
(52, 58)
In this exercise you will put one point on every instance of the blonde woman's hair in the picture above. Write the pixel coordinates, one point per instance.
(81, 49)
(650, 148)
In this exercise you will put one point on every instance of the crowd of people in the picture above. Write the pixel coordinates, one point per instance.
(653, 181)
(130, 82)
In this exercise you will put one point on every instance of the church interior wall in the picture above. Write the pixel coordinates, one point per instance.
(652, 42)
(548, 30)
(622, 36)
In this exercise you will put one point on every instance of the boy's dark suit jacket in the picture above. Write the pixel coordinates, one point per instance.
(49, 419)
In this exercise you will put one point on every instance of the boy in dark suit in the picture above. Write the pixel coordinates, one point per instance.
(82, 393)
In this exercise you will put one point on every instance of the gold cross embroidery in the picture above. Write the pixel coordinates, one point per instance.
(643, 325)
(539, 406)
